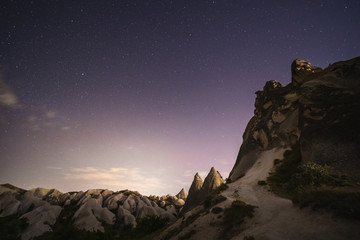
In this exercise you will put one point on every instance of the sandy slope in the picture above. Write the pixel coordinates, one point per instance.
(275, 218)
(278, 218)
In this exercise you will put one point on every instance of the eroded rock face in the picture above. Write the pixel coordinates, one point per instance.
(212, 181)
(182, 194)
(319, 110)
(42, 208)
(199, 190)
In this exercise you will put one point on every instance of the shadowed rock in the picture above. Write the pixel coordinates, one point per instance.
(199, 190)
(319, 110)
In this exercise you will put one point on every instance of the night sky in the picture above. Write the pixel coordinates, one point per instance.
(144, 94)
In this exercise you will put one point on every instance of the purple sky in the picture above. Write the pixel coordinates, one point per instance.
(144, 94)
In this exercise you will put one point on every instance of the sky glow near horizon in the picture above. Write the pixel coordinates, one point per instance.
(141, 95)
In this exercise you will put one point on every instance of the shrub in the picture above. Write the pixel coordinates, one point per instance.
(189, 220)
(317, 186)
(249, 238)
(213, 200)
(237, 212)
(187, 235)
(343, 202)
(221, 188)
(11, 226)
(216, 210)
(262, 183)
(149, 224)
(276, 161)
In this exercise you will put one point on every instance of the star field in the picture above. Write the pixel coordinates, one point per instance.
(143, 94)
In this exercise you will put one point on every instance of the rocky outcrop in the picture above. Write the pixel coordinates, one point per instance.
(182, 194)
(319, 111)
(90, 210)
(212, 181)
(199, 190)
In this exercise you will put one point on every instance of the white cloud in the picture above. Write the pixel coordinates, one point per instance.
(118, 178)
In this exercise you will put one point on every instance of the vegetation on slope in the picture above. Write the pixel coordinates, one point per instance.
(11, 226)
(64, 229)
(236, 213)
(314, 185)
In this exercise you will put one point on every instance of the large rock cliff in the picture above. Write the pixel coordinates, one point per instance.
(319, 110)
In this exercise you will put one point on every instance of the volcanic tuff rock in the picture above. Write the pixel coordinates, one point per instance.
(199, 190)
(182, 194)
(319, 110)
(91, 209)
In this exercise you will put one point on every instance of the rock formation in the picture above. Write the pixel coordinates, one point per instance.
(199, 190)
(318, 115)
(319, 110)
(182, 194)
(91, 209)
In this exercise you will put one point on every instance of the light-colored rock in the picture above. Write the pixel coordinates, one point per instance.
(182, 194)
(40, 220)
(212, 181)
(106, 193)
(125, 216)
(162, 204)
(179, 202)
(130, 204)
(39, 192)
(8, 203)
(88, 215)
(146, 211)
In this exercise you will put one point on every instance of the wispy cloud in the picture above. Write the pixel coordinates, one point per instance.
(50, 114)
(54, 168)
(31, 117)
(7, 96)
(118, 178)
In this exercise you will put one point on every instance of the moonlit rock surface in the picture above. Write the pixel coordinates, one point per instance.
(40, 220)
(89, 215)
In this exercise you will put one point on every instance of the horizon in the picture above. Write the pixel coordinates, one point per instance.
(142, 95)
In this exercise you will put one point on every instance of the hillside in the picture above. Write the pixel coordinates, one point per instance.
(296, 177)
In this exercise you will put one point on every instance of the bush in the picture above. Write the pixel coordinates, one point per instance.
(12, 226)
(343, 202)
(249, 238)
(276, 161)
(262, 183)
(213, 200)
(237, 212)
(216, 210)
(221, 188)
(187, 235)
(149, 224)
(315, 185)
